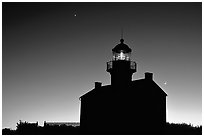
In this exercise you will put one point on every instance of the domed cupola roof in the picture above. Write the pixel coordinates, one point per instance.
(121, 47)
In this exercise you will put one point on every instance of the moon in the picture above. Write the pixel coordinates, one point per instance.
(75, 15)
(165, 83)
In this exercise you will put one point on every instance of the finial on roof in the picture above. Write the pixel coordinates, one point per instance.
(121, 33)
(121, 40)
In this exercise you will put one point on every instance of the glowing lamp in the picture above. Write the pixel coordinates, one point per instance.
(121, 56)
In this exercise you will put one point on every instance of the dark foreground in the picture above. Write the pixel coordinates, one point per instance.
(170, 129)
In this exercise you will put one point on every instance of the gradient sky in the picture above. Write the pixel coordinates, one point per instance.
(52, 53)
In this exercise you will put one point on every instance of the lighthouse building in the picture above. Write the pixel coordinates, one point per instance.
(125, 106)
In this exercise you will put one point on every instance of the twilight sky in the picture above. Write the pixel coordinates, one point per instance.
(52, 53)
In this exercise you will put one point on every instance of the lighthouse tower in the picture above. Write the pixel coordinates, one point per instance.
(121, 67)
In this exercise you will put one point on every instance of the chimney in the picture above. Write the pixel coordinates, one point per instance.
(148, 76)
(97, 85)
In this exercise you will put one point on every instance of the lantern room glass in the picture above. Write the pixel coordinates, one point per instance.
(121, 56)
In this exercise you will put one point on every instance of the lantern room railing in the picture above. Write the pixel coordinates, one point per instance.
(109, 65)
(133, 66)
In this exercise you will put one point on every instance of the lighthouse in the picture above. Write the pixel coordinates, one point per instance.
(125, 106)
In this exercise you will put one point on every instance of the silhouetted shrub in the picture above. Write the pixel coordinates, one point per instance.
(8, 131)
(182, 129)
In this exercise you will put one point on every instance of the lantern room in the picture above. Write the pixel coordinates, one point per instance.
(121, 51)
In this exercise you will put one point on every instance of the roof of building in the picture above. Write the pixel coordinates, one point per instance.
(122, 47)
(136, 84)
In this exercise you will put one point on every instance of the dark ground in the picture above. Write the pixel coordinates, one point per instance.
(170, 129)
